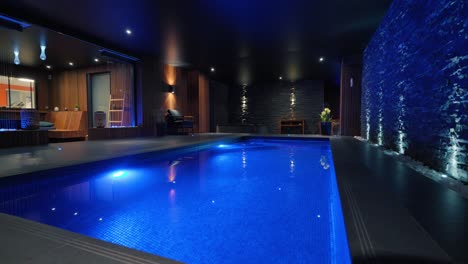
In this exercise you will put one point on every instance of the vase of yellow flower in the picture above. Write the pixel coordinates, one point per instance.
(325, 118)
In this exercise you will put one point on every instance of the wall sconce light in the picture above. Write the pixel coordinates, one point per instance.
(16, 60)
(171, 89)
(43, 55)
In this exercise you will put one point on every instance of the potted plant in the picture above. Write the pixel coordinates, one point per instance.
(325, 118)
(77, 107)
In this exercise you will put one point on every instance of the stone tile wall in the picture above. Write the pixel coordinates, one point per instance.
(267, 104)
(415, 78)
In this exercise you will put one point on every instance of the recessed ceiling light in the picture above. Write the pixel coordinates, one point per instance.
(212, 69)
(48, 67)
(96, 59)
(71, 63)
(128, 31)
(281, 77)
(321, 59)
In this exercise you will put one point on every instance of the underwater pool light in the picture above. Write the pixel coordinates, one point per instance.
(222, 146)
(118, 174)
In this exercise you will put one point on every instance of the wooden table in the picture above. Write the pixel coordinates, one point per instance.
(292, 126)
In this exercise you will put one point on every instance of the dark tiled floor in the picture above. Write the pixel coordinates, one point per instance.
(394, 214)
(29, 159)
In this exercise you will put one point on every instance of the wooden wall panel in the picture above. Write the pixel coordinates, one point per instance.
(176, 77)
(203, 104)
(192, 97)
(70, 87)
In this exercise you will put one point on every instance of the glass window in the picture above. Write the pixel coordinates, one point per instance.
(17, 92)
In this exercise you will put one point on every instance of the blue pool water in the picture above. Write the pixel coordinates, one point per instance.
(253, 201)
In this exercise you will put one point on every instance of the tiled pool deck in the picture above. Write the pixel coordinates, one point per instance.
(392, 213)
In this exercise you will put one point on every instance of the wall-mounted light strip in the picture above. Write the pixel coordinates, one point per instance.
(12, 23)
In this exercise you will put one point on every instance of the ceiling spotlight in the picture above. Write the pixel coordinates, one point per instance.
(212, 69)
(128, 31)
(48, 67)
(71, 63)
(43, 55)
(321, 59)
(281, 77)
(96, 60)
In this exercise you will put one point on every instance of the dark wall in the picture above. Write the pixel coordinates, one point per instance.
(415, 81)
(150, 94)
(331, 97)
(267, 104)
(351, 80)
(219, 107)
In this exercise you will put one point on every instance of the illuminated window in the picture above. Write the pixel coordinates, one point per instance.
(17, 92)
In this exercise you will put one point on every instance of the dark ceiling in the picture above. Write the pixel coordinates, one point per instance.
(245, 40)
(60, 49)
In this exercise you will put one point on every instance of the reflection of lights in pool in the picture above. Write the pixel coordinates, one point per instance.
(53, 209)
(212, 201)
(279, 189)
(118, 174)
(318, 216)
(173, 181)
(76, 213)
(100, 219)
(222, 146)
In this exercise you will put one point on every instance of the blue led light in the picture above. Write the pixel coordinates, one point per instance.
(222, 146)
(16, 21)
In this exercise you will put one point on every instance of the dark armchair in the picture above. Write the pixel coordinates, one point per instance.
(177, 123)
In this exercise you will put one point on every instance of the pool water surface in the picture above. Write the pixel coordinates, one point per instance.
(252, 201)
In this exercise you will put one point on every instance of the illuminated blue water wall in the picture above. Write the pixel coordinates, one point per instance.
(415, 78)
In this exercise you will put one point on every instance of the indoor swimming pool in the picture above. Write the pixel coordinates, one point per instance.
(256, 200)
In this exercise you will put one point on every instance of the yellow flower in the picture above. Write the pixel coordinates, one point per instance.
(327, 110)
